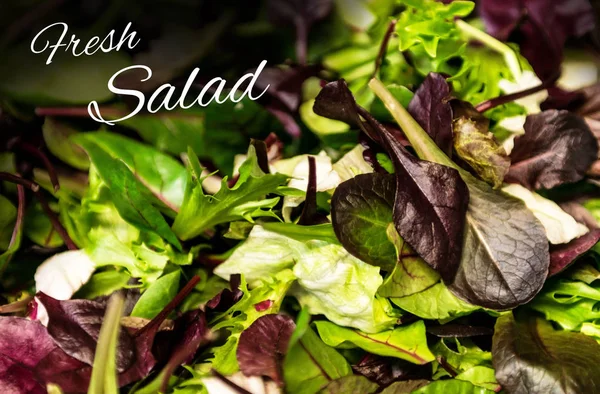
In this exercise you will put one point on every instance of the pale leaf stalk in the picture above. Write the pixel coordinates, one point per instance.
(509, 54)
(420, 141)
(104, 374)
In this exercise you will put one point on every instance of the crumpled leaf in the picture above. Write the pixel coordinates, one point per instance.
(262, 346)
(531, 357)
(431, 199)
(431, 108)
(406, 342)
(476, 145)
(544, 156)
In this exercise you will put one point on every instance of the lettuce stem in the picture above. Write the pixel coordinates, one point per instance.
(510, 56)
(421, 142)
(104, 374)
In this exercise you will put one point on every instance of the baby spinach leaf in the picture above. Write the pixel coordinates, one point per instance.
(129, 196)
(263, 346)
(200, 212)
(530, 356)
(157, 296)
(505, 254)
(476, 145)
(361, 210)
(543, 157)
(164, 176)
(310, 365)
(406, 342)
(39, 229)
(431, 108)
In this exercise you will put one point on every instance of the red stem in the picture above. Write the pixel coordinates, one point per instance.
(58, 227)
(383, 49)
(231, 384)
(501, 100)
(157, 321)
(40, 155)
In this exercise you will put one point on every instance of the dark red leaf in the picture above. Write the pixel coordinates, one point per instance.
(432, 110)
(310, 216)
(458, 331)
(542, 27)
(262, 347)
(75, 326)
(561, 256)
(23, 344)
(557, 148)
(387, 370)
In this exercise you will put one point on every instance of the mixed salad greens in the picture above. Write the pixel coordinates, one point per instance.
(414, 207)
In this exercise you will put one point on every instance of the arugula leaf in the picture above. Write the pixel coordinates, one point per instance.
(157, 296)
(542, 157)
(310, 364)
(406, 342)
(129, 196)
(530, 356)
(200, 212)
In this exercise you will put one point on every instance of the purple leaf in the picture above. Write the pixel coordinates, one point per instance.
(23, 344)
(557, 148)
(301, 14)
(263, 345)
(561, 256)
(431, 199)
(542, 27)
(458, 331)
(387, 370)
(227, 297)
(75, 325)
(310, 216)
(432, 110)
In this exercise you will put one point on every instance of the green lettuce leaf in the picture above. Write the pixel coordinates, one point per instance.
(405, 342)
(436, 302)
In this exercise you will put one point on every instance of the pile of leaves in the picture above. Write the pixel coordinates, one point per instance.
(413, 207)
